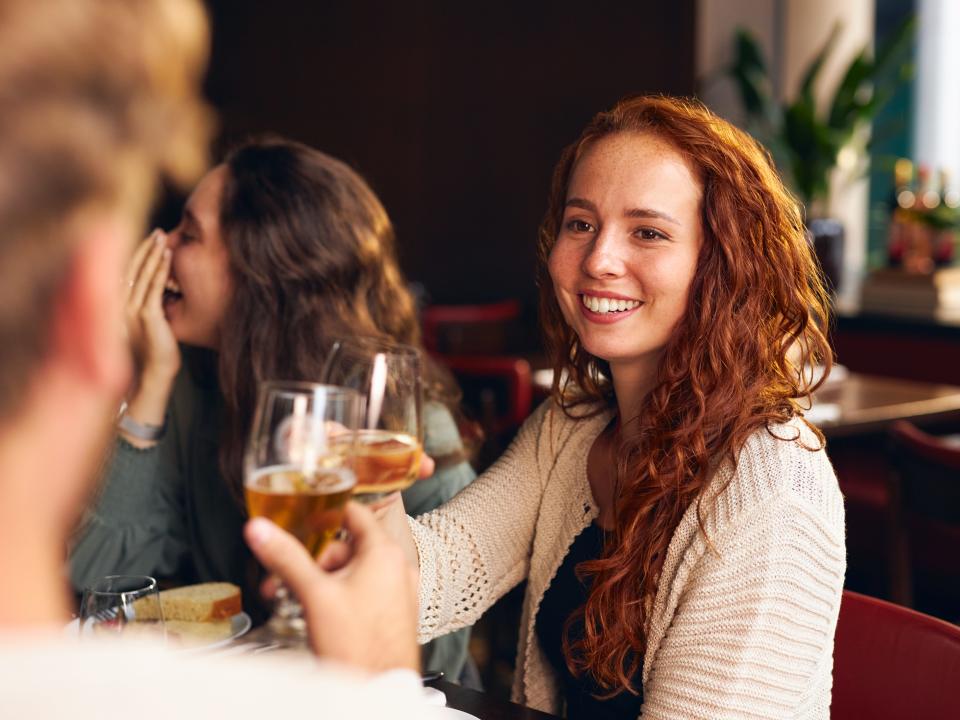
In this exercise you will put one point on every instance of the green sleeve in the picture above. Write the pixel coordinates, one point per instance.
(441, 439)
(136, 526)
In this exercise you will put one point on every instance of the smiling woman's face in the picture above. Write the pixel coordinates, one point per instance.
(627, 249)
(200, 267)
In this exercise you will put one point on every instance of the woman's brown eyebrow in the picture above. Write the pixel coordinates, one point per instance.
(649, 213)
(631, 213)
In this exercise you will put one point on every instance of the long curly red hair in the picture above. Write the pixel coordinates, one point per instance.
(755, 317)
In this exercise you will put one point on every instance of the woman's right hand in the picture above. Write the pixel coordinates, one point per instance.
(392, 517)
(155, 352)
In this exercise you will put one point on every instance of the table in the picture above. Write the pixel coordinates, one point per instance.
(484, 706)
(866, 404)
(857, 446)
(861, 404)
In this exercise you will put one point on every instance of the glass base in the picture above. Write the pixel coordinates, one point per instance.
(287, 624)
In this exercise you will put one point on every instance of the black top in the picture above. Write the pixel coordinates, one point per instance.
(565, 594)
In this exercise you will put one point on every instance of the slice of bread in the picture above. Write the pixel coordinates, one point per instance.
(195, 603)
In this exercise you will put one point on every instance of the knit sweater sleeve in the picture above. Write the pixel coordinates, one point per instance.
(477, 547)
(752, 635)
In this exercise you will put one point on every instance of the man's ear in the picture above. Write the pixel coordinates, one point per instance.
(88, 332)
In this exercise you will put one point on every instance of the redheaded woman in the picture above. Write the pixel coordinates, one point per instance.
(677, 520)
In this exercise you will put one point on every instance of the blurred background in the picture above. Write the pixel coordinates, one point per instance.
(456, 113)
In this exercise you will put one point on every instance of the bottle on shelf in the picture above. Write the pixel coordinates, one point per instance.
(927, 196)
(917, 235)
(945, 234)
(902, 198)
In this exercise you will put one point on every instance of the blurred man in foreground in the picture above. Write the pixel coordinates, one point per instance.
(98, 98)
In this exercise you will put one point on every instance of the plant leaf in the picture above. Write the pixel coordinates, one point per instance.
(896, 46)
(810, 76)
(846, 108)
(749, 71)
(843, 109)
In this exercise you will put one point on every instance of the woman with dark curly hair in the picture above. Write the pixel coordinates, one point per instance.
(281, 250)
(677, 520)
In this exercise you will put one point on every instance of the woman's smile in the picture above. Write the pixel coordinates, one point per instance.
(601, 307)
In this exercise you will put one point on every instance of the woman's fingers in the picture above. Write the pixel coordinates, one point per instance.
(153, 301)
(382, 507)
(427, 466)
(136, 262)
(148, 268)
(362, 524)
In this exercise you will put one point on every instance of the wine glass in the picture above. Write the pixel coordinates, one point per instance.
(298, 472)
(122, 604)
(390, 439)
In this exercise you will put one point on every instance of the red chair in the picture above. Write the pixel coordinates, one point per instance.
(468, 329)
(925, 519)
(893, 662)
(474, 342)
(513, 374)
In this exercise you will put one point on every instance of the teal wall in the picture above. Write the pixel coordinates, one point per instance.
(892, 133)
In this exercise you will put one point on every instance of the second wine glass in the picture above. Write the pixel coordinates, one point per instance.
(387, 376)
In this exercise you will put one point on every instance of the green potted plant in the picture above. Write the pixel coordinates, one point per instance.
(806, 141)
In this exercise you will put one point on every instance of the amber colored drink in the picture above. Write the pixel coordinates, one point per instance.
(385, 461)
(310, 508)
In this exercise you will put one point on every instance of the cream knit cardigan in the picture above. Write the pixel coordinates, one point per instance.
(745, 631)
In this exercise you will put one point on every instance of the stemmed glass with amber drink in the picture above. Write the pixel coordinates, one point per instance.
(299, 471)
(390, 435)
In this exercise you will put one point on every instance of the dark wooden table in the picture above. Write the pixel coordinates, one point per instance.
(866, 404)
(863, 404)
(484, 706)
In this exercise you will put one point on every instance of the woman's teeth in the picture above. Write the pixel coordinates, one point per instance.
(607, 305)
(171, 290)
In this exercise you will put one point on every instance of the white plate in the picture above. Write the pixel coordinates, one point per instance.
(239, 625)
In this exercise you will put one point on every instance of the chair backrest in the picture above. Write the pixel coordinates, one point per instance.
(928, 471)
(475, 342)
(893, 662)
(924, 491)
(469, 329)
(504, 381)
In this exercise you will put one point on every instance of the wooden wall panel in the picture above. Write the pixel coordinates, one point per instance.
(455, 112)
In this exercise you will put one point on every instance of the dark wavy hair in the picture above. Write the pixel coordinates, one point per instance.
(755, 316)
(312, 258)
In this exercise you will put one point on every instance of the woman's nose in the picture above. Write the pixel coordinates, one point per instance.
(604, 257)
